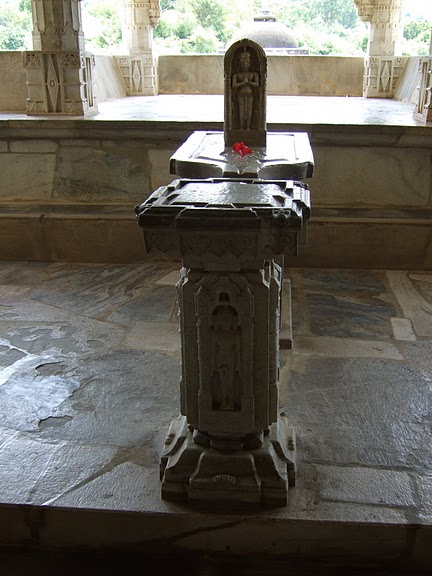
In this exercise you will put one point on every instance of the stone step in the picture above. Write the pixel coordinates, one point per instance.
(253, 543)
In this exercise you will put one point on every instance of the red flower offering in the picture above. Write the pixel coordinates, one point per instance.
(241, 148)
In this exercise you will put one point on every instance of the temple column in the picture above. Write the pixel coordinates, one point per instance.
(59, 71)
(423, 109)
(383, 65)
(138, 67)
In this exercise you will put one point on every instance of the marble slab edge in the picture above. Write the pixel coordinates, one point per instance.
(252, 535)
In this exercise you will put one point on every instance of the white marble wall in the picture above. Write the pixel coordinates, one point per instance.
(293, 75)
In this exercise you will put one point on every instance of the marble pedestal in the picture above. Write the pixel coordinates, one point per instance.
(230, 443)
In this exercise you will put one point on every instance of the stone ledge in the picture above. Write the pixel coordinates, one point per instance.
(228, 536)
(373, 215)
(337, 238)
(175, 132)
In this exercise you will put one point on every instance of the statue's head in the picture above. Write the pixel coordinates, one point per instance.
(224, 318)
(244, 60)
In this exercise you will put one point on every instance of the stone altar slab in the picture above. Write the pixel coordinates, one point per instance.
(286, 156)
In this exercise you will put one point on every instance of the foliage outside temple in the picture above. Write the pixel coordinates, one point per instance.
(206, 26)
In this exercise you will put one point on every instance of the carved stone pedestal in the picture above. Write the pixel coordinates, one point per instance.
(231, 443)
(254, 470)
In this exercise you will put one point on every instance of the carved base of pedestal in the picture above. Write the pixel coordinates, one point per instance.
(193, 470)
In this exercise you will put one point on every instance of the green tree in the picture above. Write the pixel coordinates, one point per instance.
(202, 42)
(25, 6)
(167, 5)
(163, 29)
(184, 28)
(335, 12)
(15, 28)
(417, 29)
(211, 14)
(106, 12)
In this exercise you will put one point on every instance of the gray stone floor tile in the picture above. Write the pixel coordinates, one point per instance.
(89, 382)
(158, 336)
(158, 304)
(95, 290)
(360, 411)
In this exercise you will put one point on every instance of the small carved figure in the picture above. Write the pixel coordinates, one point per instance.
(225, 359)
(245, 83)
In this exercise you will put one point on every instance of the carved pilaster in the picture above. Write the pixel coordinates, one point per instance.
(139, 67)
(139, 20)
(139, 74)
(57, 25)
(59, 83)
(385, 17)
(423, 109)
(381, 75)
(59, 73)
(382, 68)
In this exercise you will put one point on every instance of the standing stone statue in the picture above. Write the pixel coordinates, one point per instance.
(245, 85)
(245, 69)
(225, 359)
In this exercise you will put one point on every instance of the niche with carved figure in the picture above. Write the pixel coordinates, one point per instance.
(225, 357)
(245, 69)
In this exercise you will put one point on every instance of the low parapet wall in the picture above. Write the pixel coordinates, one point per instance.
(202, 74)
(287, 75)
(69, 187)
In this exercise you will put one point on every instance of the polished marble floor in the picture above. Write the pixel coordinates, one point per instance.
(89, 382)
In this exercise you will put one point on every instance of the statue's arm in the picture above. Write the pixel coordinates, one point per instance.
(235, 82)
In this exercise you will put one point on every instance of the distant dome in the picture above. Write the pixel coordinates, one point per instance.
(267, 32)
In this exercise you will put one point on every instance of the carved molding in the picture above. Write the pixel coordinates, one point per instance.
(369, 10)
(32, 59)
(71, 60)
(139, 13)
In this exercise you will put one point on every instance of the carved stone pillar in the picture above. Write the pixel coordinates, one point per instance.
(383, 66)
(138, 68)
(59, 72)
(230, 442)
(423, 109)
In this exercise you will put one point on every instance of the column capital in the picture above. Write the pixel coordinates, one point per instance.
(372, 10)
